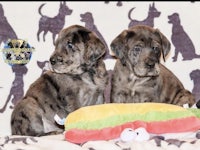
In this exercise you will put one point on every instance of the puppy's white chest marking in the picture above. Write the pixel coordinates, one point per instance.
(132, 80)
(137, 84)
(132, 83)
(136, 81)
(48, 126)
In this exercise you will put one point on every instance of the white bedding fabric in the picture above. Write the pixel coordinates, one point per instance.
(176, 141)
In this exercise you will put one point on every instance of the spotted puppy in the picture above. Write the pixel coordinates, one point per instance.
(138, 75)
(77, 78)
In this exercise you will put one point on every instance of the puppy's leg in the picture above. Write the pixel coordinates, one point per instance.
(25, 120)
(184, 97)
(28, 119)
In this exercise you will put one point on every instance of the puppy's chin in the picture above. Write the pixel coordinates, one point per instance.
(67, 70)
(56, 71)
(146, 72)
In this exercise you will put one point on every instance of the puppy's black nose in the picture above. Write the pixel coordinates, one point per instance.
(56, 59)
(52, 61)
(151, 63)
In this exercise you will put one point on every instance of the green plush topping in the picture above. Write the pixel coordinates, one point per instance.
(121, 119)
(195, 111)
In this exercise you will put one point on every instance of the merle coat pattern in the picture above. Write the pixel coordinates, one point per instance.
(77, 78)
(89, 23)
(138, 75)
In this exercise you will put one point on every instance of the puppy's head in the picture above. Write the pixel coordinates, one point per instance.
(140, 49)
(76, 48)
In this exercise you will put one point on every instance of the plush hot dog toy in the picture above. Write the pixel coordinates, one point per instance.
(107, 121)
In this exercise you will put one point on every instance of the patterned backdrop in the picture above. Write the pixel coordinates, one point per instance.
(38, 23)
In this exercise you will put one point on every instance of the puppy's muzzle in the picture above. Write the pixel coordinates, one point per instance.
(59, 60)
(56, 59)
(150, 62)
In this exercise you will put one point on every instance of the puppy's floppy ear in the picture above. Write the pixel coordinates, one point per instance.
(97, 52)
(119, 45)
(166, 46)
(95, 47)
(84, 35)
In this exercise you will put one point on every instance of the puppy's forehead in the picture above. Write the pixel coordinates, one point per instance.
(74, 28)
(75, 33)
(142, 33)
(140, 28)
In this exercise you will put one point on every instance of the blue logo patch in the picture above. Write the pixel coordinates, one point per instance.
(17, 51)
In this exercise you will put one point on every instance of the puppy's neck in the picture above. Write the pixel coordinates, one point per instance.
(95, 72)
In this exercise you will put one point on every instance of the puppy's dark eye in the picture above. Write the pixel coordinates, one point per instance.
(137, 48)
(70, 45)
(155, 49)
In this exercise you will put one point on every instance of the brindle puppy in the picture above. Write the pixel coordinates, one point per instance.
(138, 75)
(77, 78)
